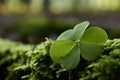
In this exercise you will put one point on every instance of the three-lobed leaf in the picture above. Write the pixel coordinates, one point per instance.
(66, 50)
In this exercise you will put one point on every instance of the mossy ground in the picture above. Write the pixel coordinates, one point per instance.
(19, 61)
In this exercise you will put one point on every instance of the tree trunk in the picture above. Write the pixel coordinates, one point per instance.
(46, 7)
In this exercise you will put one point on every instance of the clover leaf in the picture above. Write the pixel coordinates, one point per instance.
(68, 47)
(94, 35)
(72, 59)
(67, 35)
(79, 30)
(91, 51)
(91, 43)
(60, 49)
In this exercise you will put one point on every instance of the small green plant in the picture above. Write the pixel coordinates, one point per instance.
(76, 42)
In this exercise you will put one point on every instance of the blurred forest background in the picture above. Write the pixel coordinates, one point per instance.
(30, 21)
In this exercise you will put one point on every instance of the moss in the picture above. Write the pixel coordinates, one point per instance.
(12, 54)
(20, 62)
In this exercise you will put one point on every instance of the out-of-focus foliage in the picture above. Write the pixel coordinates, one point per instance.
(11, 55)
(63, 10)
(40, 25)
(80, 6)
(32, 29)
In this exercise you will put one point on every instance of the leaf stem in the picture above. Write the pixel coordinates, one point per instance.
(70, 78)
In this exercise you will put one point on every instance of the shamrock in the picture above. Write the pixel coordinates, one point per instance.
(76, 42)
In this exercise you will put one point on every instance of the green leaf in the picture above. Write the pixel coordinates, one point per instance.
(60, 49)
(72, 59)
(67, 35)
(94, 35)
(79, 29)
(91, 51)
